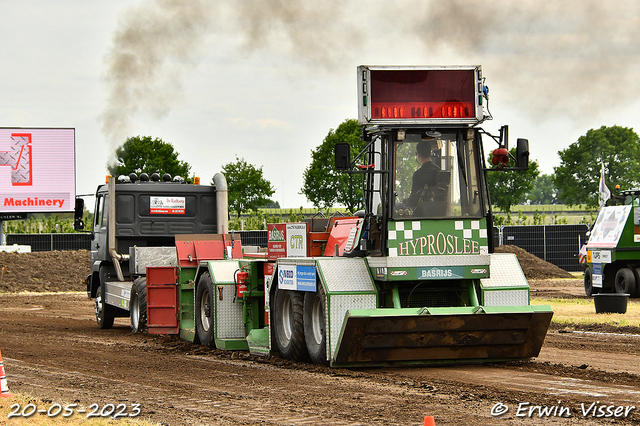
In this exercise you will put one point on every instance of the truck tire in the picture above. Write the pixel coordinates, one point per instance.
(288, 325)
(315, 335)
(104, 313)
(138, 305)
(589, 290)
(637, 276)
(625, 281)
(205, 312)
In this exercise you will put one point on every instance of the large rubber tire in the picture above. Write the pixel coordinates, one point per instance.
(138, 305)
(205, 312)
(314, 326)
(589, 289)
(637, 275)
(288, 325)
(625, 281)
(104, 313)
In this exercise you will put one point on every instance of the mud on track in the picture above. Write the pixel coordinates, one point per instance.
(53, 349)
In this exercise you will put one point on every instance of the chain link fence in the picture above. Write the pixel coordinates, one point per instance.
(557, 244)
(82, 241)
(50, 242)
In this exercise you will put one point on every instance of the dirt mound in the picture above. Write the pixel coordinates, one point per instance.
(44, 271)
(533, 267)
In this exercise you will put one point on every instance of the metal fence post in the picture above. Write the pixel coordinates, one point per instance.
(544, 239)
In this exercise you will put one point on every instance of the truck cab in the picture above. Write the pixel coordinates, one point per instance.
(134, 226)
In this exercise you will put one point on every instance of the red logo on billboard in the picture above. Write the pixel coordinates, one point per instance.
(19, 159)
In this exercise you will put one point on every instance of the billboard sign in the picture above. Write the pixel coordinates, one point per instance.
(37, 170)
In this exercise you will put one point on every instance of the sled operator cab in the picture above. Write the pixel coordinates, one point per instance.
(424, 158)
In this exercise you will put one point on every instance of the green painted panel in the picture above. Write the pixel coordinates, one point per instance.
(232, 344)
(186, 298)
(186, 273)
(438, 237)
(186, 311)
(258, 341)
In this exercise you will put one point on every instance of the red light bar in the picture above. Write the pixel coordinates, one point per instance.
(420, 95)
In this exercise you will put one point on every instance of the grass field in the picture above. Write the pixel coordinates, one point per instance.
(582, 311)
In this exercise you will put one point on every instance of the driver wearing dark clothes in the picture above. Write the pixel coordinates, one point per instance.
(426, 175)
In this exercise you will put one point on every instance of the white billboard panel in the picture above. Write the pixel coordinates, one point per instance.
(37, 170)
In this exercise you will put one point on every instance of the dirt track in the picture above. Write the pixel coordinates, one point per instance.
(53, 349)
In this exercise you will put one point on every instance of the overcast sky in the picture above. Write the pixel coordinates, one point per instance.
(267, 80)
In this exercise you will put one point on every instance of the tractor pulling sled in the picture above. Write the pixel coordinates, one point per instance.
(411, 280)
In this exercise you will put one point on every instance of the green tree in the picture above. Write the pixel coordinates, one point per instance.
(271, 204)
(544, 191)
(141, 154)
(509, 188)
(578, 176)
(247, 188)
(325, 186)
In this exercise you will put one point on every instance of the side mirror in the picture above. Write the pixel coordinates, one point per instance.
(522, 154)
(343, 156)
(78, 212)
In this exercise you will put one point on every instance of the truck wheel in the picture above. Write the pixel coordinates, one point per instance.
(637, 277)
(205, 319)
(104, 312)
(288, 324)
(589, 290)
(315, 335)
(138, 305)
(625, 282)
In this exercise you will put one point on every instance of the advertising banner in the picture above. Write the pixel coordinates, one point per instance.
(276, 240)
(37, 170)
(167, 205)
(442, 237)
(297, 277)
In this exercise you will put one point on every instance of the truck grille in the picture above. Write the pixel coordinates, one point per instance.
(434, 297)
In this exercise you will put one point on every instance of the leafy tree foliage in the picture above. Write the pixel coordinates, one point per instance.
(544, 191)
(247, 187)
(510, 187)
(271, 204)
(578, 176)
(141, 154)
(323, 185)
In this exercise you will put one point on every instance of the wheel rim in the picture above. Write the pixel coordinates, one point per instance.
(99, 308)
(317, 320)
(135, 312)
(205, 311)
(287, 316)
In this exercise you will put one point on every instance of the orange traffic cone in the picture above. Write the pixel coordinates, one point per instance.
(429, 421)
(4, 393)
